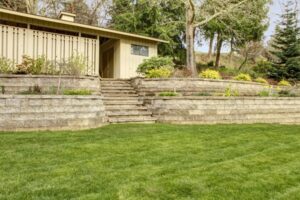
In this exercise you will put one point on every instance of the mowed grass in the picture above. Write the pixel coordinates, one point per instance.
(153, 162)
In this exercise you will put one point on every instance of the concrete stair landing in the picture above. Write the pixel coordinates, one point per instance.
(122, 104)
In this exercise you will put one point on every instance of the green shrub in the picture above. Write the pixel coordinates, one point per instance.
(261, 80)
(210, 74)
(155, 63)
(264, 93)
(35, 66)
(231, 93)
(6, 66)
(75, 65)
(263, 67)
(284, 83)
(163, 72)
(168, 94)
(77, 92)
(226, 71)
(293, 68)
(203, 94)
(243, 77)
(286, 93)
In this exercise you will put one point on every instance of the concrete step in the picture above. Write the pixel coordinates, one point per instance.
(124, 107)
(118, 92)
(116, 85)
(125, 102)
(122, 98)
(115, 79)
(115, 82)
(134, 119)
(120, 95)
(113, 88)
(128, 113)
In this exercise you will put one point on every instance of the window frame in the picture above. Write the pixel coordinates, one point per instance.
(140, 51)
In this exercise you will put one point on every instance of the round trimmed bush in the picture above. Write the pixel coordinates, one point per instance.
(210, 74)
(155, 63)
(243, 77)
(163, 72)
(284, 83)
(261, 80)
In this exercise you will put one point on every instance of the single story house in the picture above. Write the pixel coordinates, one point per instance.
(108, 53)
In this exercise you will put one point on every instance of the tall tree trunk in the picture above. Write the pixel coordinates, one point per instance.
(219, 48)
(190, 35)
(244, 62)
(231, 51)
(211, 43)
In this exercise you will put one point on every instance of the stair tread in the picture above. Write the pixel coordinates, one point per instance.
(122, 103)
(129, 114)
(121, 98)
(116, 88)
(131, 119)
(119, 107)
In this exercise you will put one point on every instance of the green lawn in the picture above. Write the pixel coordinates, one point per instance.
(153, 162)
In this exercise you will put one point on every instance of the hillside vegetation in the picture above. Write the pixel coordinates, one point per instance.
(234, 62)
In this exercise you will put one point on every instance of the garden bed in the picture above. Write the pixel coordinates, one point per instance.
(194, 86)
(18, 84)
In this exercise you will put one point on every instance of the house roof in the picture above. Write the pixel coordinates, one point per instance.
(74, 24)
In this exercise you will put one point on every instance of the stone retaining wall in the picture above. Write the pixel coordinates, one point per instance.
(15, 84)
(22, 112)
(212, 110)
(190, 86)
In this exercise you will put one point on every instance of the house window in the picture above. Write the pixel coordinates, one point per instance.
(139, 50)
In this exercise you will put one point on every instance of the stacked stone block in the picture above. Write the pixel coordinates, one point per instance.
(222, 110)
(22, 112)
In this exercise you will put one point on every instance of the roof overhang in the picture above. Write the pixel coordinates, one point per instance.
(74, 24)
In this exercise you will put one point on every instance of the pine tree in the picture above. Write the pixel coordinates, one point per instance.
(286, 46)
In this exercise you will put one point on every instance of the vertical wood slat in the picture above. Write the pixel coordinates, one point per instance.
(16, 42)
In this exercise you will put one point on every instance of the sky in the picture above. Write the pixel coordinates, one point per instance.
(276, 9)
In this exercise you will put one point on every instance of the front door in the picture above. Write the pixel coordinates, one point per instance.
(108, 63)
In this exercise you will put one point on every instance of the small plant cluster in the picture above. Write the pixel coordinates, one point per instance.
(6, 66)
(229, 92)
(210, 74)
(284, 83)
(168, 94)
(77, 92)
(157, 67)
(243, 77)
(37, 90)
(278, 92)
(74, 65)
(214, 74)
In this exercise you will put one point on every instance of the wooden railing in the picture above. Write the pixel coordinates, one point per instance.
(16, 42)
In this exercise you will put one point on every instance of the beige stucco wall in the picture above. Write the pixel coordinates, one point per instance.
(129, 63)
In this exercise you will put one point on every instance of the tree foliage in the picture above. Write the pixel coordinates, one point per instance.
(286, 45)
(240, 28)
(162, 19)
(26, 6)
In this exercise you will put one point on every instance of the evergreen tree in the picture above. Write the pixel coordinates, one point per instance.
(286, 46)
